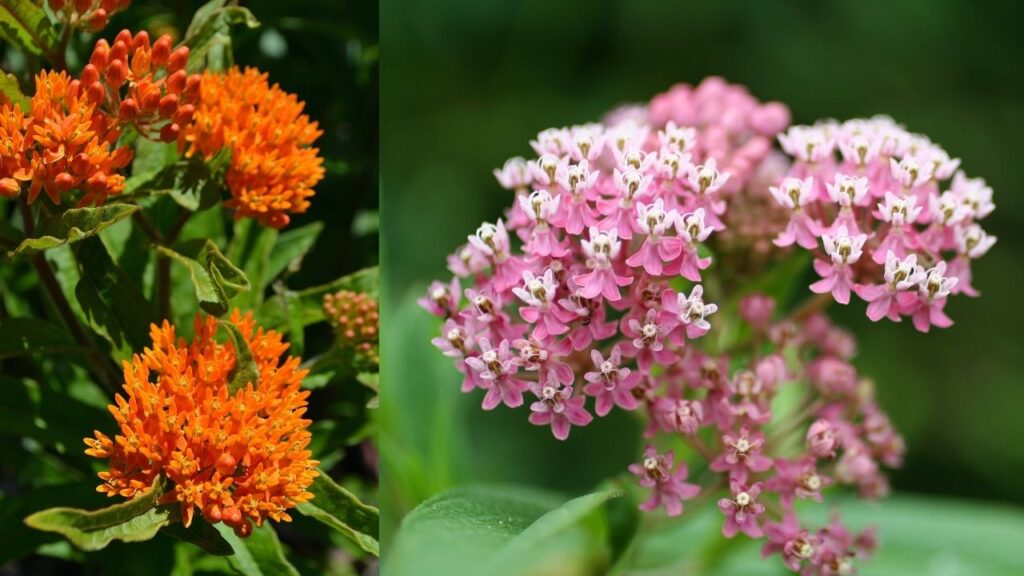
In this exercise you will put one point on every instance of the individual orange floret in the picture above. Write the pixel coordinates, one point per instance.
(14, 166)
(273, 164)
(144, 84)
(71, 143)
(93, 13)
(236, 457)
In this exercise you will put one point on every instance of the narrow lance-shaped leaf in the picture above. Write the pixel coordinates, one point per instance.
(258, 555)
(202, 534)
(22, 336)
(208, 34)
(245, 371)
(215, 278)
(342, 511)
(273, 315)
(113, 303)
(25, 23)
(136, 520)
(12, 91)
(72, 226)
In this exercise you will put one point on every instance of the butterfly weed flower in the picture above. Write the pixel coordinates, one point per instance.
(237, 457)
(273, 164)
(143, 84)
(620, 271)
(71, 144)
(93, 14)
(14, 166)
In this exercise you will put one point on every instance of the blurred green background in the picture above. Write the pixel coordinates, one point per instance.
(326, 52)
(466, 84)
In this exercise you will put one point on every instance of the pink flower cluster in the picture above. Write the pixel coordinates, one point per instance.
(896, 218)
(589, 296)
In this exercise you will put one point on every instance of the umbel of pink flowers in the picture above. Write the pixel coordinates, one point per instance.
(588, 297)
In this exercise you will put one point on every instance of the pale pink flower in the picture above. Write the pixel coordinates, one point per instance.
(742, 510)
(610, 384)
(668, 488)
(557, 407)
(837, 277)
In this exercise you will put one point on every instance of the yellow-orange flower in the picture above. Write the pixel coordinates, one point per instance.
(14, 168)
(237, 457)
(273, 164)
(72, 144)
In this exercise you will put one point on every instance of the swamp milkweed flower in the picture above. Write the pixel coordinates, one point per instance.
(273, 164)
(238, 457)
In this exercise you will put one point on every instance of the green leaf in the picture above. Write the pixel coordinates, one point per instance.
(273, 315)
(215, 278)
(502, 531)
(342, 511)
(25, 23)
(258, 555)
(71, 226)
(136, 520)
(193, 183)
(251, 245)
(23, 336)
(208, 35)
(245, 371)
(113, 304)
(150, 160)
(10, 88)
(202, 534)
(291, 247)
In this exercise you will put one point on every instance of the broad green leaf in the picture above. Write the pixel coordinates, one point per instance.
(250, 247)
(202, 534)
(193, 183)
(10, 89)
(342, 511)
(245, 371)
(25, 23)
(208, 35)
(292, 245)
(73, 225)
(112, 302)
(215, 278)
(22, 336)
(503, 532)
(310, 307)
(136, 520)
(260, 554)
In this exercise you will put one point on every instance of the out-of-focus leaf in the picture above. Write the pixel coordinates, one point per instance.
(208, 35)
(365, 223)
(202, 534)
(21, 336)
(245, 371)
(273, 315)
(24, 23)
(10, 89)
(258, 555)
(150, 159)
(215, 278)
(18, 538)
(72, 226)
(250, 247)
(342, 511)
(136, 520)
(292, 245)
(501, 531)
(113, 304)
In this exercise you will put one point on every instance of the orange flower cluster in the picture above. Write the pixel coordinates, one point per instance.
(70, 143)
(143, 84)
(14, 167)
(236, 457)
(357, 319)
(94, 13)
(273, 166)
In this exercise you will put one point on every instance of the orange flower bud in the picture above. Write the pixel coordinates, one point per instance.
(178, 59)
(128, 110)
(168, 105)
(161, 50)
(98, 20)
(176, 82)
(116, 73)
(170, 132)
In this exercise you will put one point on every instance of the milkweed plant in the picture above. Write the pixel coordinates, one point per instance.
(147, 195)
(631, 273)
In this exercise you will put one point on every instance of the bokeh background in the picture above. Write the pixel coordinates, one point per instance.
(326, 52)
(466, 84)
